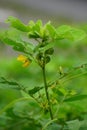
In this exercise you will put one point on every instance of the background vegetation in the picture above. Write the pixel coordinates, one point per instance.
(26, 114)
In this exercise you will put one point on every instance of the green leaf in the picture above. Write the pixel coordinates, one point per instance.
(58, 91)
(18, 46)
(73, 125)
(54, 126)
(84, 125)
(75, 72)
(51, 29)
(16, 23)
(12, 84)
(24, 94)
(31, 23)
(73, 34)
(33, 34)
(37, 26)
(76, 98)
(46, 47)
(5, 81)
(77, 34)
(34, 90)
(13, 37)
(29, 47)
(63, 29)
(35, 29)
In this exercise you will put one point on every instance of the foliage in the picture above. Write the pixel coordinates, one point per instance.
(40, 107)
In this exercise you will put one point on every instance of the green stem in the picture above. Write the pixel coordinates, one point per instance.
(74, 76)
(49, 123)
(46, 91)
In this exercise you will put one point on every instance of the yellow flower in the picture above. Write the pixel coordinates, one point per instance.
(26, 62)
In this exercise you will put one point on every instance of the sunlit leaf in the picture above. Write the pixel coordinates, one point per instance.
(73, 34)
(51, 29)
(16, 23)
(14, 38)
(63, 29)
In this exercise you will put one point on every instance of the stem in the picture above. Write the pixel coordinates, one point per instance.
(75, 76)
(46, 91)
(49, 123)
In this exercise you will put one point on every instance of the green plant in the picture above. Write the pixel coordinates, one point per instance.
(39, 107)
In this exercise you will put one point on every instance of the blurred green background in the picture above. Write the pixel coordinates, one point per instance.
(66, 54)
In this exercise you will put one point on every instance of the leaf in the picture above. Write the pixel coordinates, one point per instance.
(73, 34)
(34, 90)
(25, 94)
(35, 29)
(46, 47)
(29, 47)
(18, 46)
(51, 29)
(76, 98)
(37, 26)
(13, 38)
(54, 126)
(16, 23)
(34, 34)
(63, 29)
(73, 125)
(13, 84)
(5, 81)
(75, 72)
(83, 125)
(58, 92)
(77, 34)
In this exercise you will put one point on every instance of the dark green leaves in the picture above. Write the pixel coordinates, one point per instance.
(9, 84)
(76, 98)
(50, 51)
(34, 90)
(4, 81)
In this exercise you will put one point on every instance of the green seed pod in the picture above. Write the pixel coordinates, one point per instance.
(39, 56)
(47, 59)
(50, 51)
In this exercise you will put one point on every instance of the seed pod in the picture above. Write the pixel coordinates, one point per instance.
(47, 59)
(39, 56)
(50, 51)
